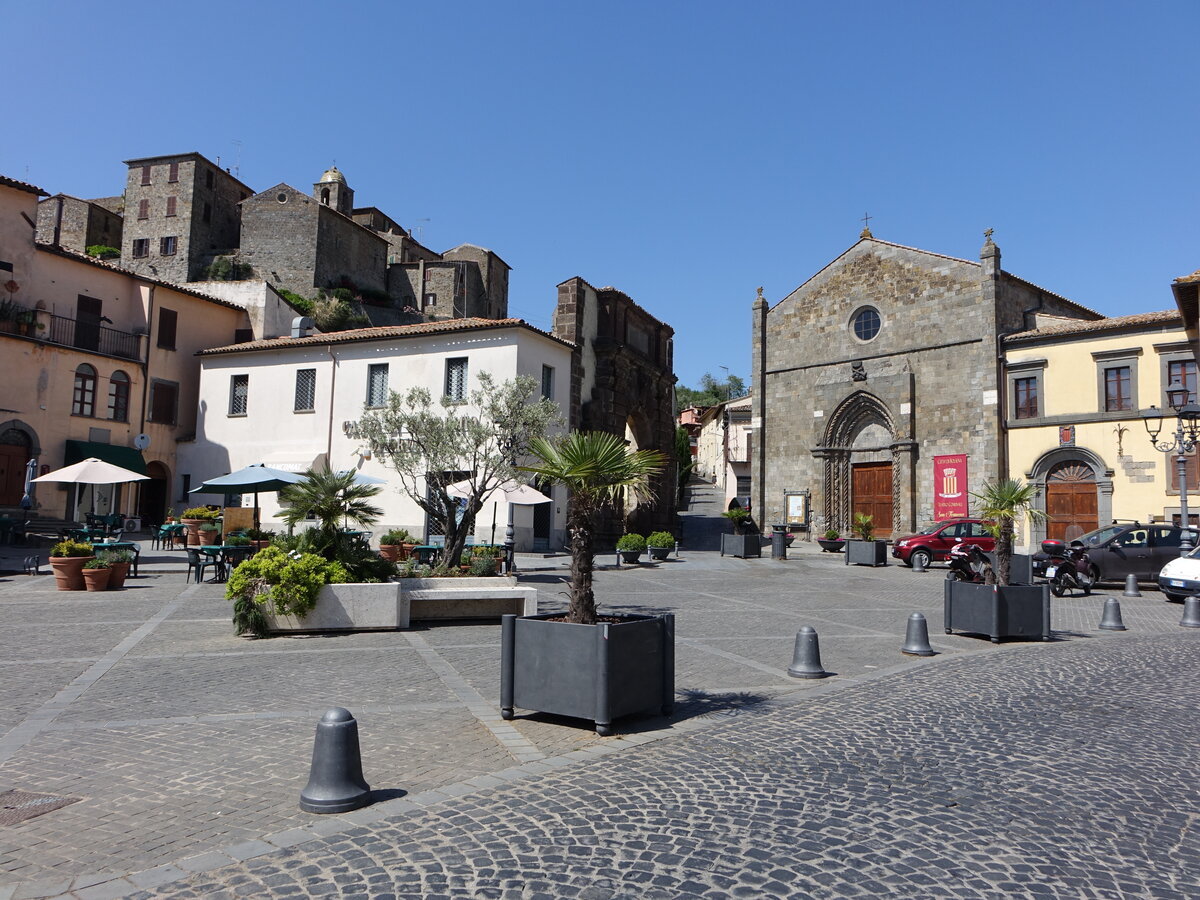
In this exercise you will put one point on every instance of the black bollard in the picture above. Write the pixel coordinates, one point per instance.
(335, 782)
(1131, 587)
(916, 637)
(806, 658)
(1191, 613)
(1111, 621)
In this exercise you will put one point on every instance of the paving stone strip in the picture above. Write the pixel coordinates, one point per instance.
(39, 720)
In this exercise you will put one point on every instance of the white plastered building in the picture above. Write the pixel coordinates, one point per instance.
(285, 402)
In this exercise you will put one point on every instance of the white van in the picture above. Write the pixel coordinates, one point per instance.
(1180, 577)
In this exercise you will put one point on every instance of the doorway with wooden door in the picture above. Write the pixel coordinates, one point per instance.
(871, 494)
(1071, 501)
(15, 451)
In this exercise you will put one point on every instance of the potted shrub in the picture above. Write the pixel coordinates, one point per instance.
(259, 538)
(999, 608)
(743, 542)
(195, 517)
(118, 562)
(865, 550)
(210, 533)
(580, 664)
(67, 559)
(493, 560)
(96, 574)
(631, 547)
(832, 541)
(396, 544)
(660, 543)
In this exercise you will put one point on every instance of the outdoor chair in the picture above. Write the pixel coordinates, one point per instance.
(198, 563)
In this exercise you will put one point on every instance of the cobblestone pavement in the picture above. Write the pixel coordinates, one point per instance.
(1047, 769)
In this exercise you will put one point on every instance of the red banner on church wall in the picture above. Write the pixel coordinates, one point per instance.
(950, 496)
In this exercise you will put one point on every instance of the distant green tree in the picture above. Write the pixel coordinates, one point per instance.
(711, 391)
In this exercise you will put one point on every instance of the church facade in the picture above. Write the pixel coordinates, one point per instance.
(878, 370)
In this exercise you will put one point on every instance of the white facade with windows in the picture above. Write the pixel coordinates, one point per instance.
(284, 402)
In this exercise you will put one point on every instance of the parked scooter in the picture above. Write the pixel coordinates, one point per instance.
(968, 563)
(1068, 568)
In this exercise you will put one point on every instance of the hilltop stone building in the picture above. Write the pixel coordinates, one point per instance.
(622, 382)
(183, 213)
(885, 359)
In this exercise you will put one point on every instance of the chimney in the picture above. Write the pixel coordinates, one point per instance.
(302, 326)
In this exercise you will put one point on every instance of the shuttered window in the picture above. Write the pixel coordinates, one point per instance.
(239, 390)
(456, 379)
(164, 402)
(173, 175)
(306, 390)
(171, 206)
(166, 246)
(143, 209)
(118, 396)
(168, 319)
(145, 174)
(377, 385)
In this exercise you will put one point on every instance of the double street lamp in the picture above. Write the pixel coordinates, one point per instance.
(1184, 441)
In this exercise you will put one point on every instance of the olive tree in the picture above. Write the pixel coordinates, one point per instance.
(432, 445)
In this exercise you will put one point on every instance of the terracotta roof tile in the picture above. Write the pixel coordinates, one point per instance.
(1115, 323)
(23, 186)
(1186, 279)
(383, 332)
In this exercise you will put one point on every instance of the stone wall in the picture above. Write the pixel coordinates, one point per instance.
(279, 237)
(348, 253)
(83, 223)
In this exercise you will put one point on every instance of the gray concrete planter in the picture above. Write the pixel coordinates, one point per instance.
(741, 545)
(1011, 611)
(467, 598)
(349, 607)
(866, 553)
(597, 672)
(392, 605)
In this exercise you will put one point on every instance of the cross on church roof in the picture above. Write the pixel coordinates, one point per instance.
(866, 232)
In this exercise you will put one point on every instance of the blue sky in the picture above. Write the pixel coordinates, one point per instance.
(685, 153)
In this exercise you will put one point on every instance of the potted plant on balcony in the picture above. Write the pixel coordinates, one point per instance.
(660, 544)
(118, 562)
(832, 541)
(1001, 609)
(744, 542)
(396, 544)
(865, 550)
(581, 664)
(67, 559)
(96, 574)
(631, 547)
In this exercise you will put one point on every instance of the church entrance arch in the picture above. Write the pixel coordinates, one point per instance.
(862, 472)
(1074, 490)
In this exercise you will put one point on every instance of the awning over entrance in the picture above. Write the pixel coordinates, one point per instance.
(125, 457)
(295, 461)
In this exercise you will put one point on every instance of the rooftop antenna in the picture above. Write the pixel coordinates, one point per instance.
(237, 160)
(420, 229)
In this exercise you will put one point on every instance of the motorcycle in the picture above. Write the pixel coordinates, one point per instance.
(968, 563)
(1068, 567)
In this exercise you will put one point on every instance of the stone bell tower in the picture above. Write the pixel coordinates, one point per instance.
(333, 191)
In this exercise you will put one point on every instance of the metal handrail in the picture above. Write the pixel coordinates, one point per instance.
(85, 336)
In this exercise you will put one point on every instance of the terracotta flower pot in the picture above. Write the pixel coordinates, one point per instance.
(390, 552)
(68, 571)
(96, 579)
(120, 571)
(193, 530)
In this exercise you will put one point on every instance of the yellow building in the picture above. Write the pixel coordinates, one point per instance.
(96, 361)
(1076, 396)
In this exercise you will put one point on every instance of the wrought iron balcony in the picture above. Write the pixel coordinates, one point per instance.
(81, 334)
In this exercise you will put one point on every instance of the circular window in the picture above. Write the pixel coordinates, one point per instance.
(866, 323)
(281, 197)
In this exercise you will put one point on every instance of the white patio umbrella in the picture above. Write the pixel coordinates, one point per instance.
(512, 492)
(92, 471)
(363, 477)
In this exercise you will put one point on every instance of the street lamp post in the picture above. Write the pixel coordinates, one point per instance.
(1184, 441)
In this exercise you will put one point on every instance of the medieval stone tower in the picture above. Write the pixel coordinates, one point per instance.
(333, 191)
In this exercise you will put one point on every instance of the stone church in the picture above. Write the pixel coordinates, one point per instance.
(885, 359)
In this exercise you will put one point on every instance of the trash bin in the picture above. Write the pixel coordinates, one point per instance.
(779, 536)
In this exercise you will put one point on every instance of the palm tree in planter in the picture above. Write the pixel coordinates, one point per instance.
(572, 664)
(1001, 609)
(865, 550)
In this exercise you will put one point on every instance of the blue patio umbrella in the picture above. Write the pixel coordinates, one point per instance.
(249, 479)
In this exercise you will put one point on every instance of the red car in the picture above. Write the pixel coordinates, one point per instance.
(934, 544)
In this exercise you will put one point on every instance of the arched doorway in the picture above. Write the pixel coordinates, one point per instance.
(864, 465)
(154, 494)
(1075, 490)
(1071, 501)
(16, 449)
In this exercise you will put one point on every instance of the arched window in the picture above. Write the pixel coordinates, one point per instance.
(325, 196)
(83, 402)
(118, 396)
